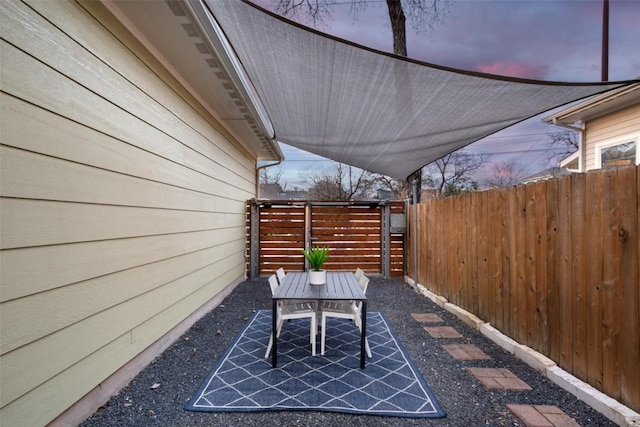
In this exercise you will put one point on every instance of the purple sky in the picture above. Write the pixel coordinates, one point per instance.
(540, 39)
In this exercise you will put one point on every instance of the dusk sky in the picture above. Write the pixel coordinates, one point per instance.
(541, 39)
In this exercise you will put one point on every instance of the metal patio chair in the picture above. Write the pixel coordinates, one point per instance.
(291, 309)
(351, 310)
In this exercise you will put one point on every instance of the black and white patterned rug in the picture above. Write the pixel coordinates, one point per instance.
(243, 381)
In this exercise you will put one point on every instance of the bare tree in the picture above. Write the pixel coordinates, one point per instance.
(313, 10)
(452, 174)
(422, 14)
(342, 183)
(561, 145)
(325, 189)
(272, 175)
(399, 187)
(506, 174)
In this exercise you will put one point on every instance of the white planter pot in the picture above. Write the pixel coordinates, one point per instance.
(317, 277)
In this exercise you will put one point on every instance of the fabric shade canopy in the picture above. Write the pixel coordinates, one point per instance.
(373, 110)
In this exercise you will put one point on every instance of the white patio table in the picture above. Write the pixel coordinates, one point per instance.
(339, 286)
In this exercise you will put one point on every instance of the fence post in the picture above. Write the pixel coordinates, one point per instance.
(254, 240)
(308, 242)
(405, 241)
(385, 239)
(414, 190)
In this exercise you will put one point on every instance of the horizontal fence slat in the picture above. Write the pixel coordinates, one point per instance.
(353, 232)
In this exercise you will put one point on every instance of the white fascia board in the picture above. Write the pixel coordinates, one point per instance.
(571, 157)
(597, 105)
(219, 42)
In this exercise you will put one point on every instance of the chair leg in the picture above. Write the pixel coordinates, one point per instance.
(312, 324)
(278, 329)
(366, 341)
(266, 355)
(312, 335)
(323, 333)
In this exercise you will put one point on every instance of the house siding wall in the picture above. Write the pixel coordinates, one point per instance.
(122, 204)
(621, 126)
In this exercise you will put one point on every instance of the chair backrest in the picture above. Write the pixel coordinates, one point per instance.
(280, 273)
(359, 273)
(364, 283)
(273, 282)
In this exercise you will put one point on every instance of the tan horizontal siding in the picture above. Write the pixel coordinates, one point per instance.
(613, 127)
(59, 179)
(67, 387)
(83, 60)
(49, 355)
(46, 312)
(30, 129)
(55, 266)
(108, 118)
(122, 204)
(36, 222)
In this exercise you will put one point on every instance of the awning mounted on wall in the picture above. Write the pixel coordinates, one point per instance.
(373, 110)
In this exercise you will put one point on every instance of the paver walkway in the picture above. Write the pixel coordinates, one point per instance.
(542, 416)
(443, 332)
(465, 352)
(495, 378)
(499, 378)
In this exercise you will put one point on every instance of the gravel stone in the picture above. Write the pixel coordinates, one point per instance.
(183, 366)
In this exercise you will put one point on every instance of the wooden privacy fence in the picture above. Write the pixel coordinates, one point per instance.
(359, 234)
(553, 264)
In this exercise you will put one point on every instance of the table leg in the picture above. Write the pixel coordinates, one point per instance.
(363, 334)
(274, 327)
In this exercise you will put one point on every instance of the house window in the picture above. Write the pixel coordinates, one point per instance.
(618, 155)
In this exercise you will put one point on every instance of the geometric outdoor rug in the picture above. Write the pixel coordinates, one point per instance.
(390, 385)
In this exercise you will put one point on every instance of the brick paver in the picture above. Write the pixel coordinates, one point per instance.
(542, 416)
(426, 317)
(466, 352)
(498, 378)
(443, 332)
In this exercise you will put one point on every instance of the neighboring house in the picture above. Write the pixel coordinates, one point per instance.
(385, 195)
(608, 127)
(275, 192)
(546, 174)
(129, 148)
(270, 191)
(295, 195)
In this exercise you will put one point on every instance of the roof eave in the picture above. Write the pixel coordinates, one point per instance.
(181, 35)
(597, 106)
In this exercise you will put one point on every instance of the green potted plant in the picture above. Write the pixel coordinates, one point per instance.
(316, 256)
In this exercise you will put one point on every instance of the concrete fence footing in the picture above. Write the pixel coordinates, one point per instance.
(607, 406)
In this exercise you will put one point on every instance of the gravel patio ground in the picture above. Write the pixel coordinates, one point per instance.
(156, 396)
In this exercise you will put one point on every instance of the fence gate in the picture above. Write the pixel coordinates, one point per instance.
(369, 235)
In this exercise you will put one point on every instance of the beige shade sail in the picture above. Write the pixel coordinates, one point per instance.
(376, 111)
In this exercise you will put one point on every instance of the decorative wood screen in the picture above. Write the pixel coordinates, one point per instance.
(358, 234)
